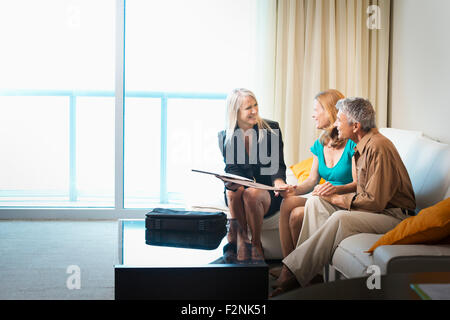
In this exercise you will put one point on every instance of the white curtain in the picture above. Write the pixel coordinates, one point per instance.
(306, 46)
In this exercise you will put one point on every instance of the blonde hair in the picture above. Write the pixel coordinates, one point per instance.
(328, 100)
(234, 102)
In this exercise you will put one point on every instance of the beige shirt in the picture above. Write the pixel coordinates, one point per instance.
(382, 179)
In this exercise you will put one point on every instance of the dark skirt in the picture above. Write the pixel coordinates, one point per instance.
(275, 203)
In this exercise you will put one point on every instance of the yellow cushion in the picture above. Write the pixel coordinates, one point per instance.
(431, 225)
(302, 169)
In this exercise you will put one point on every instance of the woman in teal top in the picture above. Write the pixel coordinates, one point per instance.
(341, 173)
(332, 161)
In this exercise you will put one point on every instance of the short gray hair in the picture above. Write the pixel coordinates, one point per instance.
(358, 110)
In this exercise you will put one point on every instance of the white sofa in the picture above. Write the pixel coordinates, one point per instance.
(428, 165)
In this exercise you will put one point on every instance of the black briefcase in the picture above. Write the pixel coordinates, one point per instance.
(185, 239)
(191, 221)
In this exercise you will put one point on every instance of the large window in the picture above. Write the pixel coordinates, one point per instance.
(58, 100)
(57, 103)
(191, 53)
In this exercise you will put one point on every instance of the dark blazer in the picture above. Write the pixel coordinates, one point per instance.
(251, 168)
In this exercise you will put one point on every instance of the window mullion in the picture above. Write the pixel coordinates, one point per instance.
(119, 105)
(72, 148)
(163, 195)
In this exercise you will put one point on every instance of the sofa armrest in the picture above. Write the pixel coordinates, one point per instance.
(290, 177)
(412, 258)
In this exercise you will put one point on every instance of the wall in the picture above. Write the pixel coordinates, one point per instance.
(419, 87)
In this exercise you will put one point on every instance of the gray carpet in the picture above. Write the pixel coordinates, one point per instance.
(35, 255)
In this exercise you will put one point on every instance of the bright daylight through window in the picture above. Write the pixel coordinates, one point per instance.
(58, 99)
(57, 103)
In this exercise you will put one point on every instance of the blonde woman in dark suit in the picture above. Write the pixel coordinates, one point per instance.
(252, 148)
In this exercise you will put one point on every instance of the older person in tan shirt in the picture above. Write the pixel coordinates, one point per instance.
(383, 198)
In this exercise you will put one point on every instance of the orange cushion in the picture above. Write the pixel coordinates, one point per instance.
(431, 225)
(302, 169)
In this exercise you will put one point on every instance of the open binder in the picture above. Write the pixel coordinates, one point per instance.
(227, 177)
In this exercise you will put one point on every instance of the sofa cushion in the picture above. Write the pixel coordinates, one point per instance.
(350, 257)
(302, 170)
(429, 170)
(271, 223)
(431, 225)
(404, 140)
(412, 258)
(270, 238)
(427, 163)
(290, 177)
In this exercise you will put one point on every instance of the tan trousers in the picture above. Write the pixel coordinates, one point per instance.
(324, 227)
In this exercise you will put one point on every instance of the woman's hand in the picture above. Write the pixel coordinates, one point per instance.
(288, 190)
(280, 184)
(229, 185)
(326, 189)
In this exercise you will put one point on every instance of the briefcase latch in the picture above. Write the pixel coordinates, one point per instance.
(155, 224)
(203, 225)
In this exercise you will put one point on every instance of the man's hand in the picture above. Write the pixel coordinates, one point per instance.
(326, 189)
(335, 199)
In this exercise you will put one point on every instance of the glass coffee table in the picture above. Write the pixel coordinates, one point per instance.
(156, 265)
